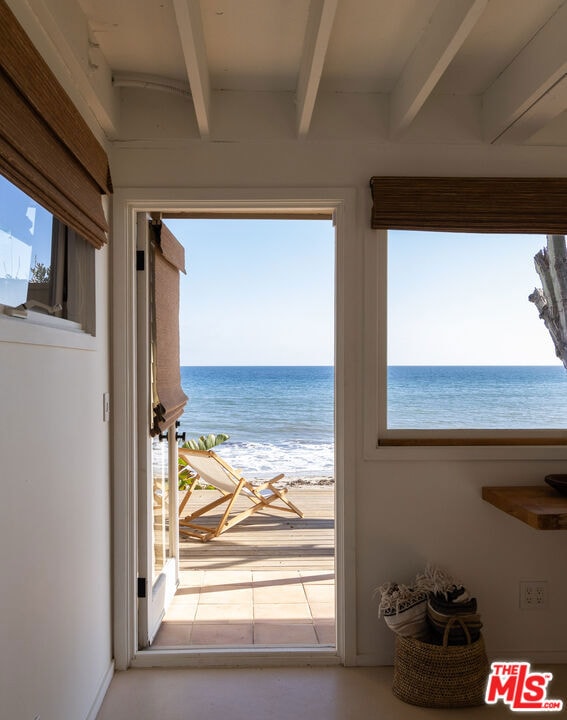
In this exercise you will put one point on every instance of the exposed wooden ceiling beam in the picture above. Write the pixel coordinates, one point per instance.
(531, 91)
(319, 26)
(448, 28)
(190, 26)
(545, 109)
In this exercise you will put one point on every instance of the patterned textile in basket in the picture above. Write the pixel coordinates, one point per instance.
(440, 676)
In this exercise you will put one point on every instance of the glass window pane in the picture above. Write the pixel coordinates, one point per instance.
(466, 348)
(160, 478)
(25, 245)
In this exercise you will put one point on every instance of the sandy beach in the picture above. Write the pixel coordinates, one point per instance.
(319, 481)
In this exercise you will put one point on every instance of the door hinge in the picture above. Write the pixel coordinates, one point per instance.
(140, 260)
(142, 586)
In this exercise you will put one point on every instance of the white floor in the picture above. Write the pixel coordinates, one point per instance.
(316, 693)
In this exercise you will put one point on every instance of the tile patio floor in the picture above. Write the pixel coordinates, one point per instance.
(251, 607)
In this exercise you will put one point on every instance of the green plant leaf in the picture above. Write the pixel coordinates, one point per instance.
(206, 442)
(186, 476)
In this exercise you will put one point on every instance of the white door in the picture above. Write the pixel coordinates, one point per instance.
(158, 532)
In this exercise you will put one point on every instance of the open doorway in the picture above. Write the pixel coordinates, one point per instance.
(257, 357)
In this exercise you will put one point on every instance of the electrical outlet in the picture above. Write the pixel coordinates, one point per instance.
(533, 594)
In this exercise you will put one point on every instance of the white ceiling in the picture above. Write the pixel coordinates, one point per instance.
(505, 58)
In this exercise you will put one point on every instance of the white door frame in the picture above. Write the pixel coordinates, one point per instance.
(127, 202)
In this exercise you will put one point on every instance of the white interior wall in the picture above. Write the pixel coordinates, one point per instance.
(408, 512)
(55, 554)
(55, 593)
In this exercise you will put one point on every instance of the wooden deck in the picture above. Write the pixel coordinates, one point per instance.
(269, 540)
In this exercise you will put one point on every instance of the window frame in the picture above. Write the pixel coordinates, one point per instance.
(48, 151)
(45, 330)
(388, 444)
(73, 259)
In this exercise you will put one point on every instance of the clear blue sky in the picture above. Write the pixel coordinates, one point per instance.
(257, 292)
(261, 292)
(459, 299)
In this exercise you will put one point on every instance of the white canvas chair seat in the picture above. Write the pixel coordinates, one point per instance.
(214, 471)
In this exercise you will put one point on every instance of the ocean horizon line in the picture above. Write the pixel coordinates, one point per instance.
(498, 365)
(299, 365)
(259, 366)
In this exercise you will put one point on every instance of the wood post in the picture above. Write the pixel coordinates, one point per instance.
(551, 298)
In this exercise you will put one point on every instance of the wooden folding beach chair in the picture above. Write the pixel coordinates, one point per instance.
(214, 471)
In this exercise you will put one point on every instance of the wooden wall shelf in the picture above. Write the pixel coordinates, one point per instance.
(539, 506)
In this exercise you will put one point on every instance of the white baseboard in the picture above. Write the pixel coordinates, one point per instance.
(102, 690)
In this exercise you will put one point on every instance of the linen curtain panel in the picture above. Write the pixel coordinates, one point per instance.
(46, 148)
(470, 204)
(167, 261)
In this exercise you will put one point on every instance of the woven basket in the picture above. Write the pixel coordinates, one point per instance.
(440, 676)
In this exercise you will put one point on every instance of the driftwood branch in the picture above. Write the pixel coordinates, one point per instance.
(551, 298)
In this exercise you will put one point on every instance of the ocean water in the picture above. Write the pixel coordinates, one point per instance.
(482, 397)
(280, 419)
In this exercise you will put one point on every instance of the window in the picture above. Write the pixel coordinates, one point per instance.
(466, 349)
(54, 172)
(46, 268)
(465, 358)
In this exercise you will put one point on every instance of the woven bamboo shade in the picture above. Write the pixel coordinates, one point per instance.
(46, 148)
(459, 204)
(168, 262)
